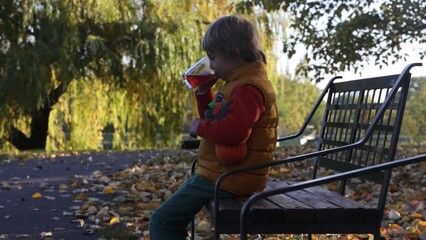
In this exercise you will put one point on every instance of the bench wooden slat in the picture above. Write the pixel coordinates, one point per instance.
(262, 211)
(323, 209)
(310, 205)
(291, 210)
(265, 211)
(355, 212)
(228, 208)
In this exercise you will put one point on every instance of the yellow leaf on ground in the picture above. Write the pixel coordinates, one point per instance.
(108, 190)
(75, 184)
(416, 216)
(81, 197)
(36, 195)
(148, 206)
(114, 220)
(136, 169)
(422, 223)
(145, 185)
(422, 226)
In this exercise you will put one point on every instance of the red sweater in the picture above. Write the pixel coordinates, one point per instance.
(245, 107)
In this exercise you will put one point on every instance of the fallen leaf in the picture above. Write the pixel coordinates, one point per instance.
(67, 213)
(36, 195)
(145, 185)
(394, 215)
(422, 223)
(92, 210)
(136, 169)
(75, 184)
(49, 198)
(103, 212)
(104, 179)
(395, 227)
(422, 226)
(148, 206)
(108, 190)
(23, 236)
(81, 197)
(416, 216)
(114, 220)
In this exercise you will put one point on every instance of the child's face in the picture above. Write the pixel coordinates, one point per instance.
(223, 64)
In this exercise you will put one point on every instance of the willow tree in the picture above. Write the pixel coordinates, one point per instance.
(137, 48)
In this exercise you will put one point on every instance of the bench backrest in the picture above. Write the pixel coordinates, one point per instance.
(368, 111)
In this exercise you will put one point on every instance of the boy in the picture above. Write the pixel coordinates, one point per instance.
(234, 48)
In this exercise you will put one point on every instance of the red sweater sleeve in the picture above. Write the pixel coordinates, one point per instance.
(244, 108)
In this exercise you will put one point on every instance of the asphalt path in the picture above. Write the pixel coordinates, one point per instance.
(24, 217)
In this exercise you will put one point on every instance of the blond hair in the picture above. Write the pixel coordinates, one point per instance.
(234, 36)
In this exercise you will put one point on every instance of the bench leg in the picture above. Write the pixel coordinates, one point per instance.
(193, 229)
(377, 235)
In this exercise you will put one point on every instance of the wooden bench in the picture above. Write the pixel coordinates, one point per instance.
(358, 138)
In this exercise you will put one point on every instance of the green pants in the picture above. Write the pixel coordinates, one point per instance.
(170, 220)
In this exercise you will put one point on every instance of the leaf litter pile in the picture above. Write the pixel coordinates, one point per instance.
(127, 198)
(119, 204)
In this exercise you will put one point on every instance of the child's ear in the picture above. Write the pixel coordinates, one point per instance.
(237, 56)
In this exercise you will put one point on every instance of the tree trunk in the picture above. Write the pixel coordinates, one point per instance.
(39, 130)
(39, 124)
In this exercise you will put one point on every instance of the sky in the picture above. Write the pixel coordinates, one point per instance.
(369, 70)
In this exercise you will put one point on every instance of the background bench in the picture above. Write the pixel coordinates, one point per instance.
(358, 138)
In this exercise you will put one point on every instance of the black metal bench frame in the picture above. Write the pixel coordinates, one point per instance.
(359, 136)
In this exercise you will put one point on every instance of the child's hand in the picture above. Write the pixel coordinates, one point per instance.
(204, 88)
(193, 127)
